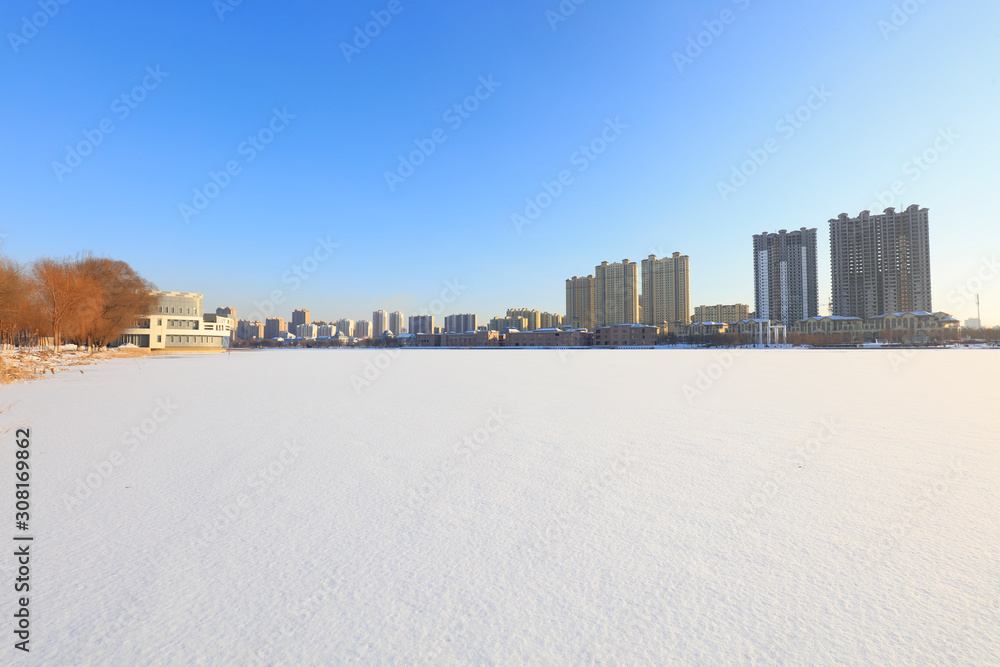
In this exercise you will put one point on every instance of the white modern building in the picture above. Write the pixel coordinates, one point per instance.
(179, 323)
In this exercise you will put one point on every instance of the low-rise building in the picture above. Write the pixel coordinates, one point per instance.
(179, 323)
(615, 335)
(912, 327)
(549, 337)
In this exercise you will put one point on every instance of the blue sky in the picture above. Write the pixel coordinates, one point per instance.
(203, 80)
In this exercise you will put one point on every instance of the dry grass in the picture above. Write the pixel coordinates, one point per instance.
(18, 365)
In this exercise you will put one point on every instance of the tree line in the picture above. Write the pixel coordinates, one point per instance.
(85, 300)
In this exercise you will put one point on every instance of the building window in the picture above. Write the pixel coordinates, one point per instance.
(159, 339)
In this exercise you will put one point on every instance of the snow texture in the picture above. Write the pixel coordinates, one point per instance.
(317, 507)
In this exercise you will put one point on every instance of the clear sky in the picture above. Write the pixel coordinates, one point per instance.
(309, 117)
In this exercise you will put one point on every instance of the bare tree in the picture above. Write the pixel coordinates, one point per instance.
(59, 294)
(116, 298)
(15, 295)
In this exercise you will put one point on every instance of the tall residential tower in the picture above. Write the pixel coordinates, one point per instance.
(784, 269)
(616, 293)
(880, 263)
(666, 290)
(580, 302)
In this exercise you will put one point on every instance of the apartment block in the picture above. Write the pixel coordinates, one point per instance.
(880, 263)
(616, 293)
(345, 327)
(700, 330)
(308, 330)
(380, 322)
(420, 324)
(460, 323)
(274, 327)
(300, 316)
(550, 320)
(722, 313)
(503, 323)
(363, 329)
(396, 323)
(249, 329)
(580, 312)
(785, 278)
(666, 290)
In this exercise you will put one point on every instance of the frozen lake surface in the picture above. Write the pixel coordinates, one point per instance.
(513, 507)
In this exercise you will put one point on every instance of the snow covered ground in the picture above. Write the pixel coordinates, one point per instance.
(511, 507)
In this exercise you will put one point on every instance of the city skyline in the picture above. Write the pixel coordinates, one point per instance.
(545, 163)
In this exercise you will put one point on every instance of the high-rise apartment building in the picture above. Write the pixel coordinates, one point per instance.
(460, 323)
(274, 327)
(502, 323)
(346, 327)
(726, 314)
(550, 320)
(300, 316)
(363, 329)
(880, 263)
(396, 323)
(666, 290)
(307, 330)
(421, 324)
(580, 302)
(616, 293)
(380, 322)
(784, 268)
(532, 317)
